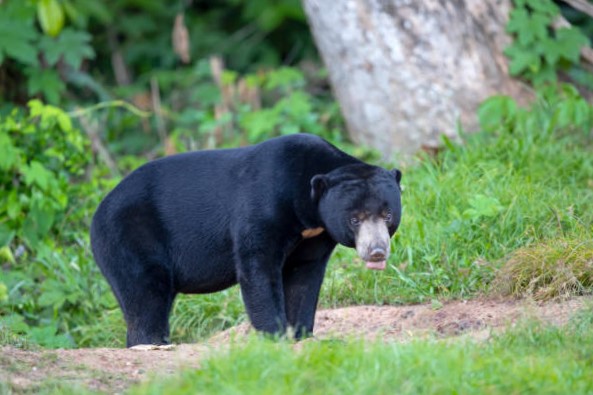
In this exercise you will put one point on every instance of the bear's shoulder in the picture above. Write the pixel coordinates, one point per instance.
(299, 141)
(307, 147)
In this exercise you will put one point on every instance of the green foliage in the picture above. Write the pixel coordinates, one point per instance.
(546, 270)
(22, 45)
(48, 282)
(71, 46)
(50, 16)
(41, 153)
(16, 40)
(539, 51)
(43, 43)
(230, 109)
(531, 358)
(196, 317)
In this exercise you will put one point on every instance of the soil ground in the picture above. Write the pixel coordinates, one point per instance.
(114, 370)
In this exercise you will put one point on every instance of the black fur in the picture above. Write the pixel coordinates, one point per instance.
(201, 222)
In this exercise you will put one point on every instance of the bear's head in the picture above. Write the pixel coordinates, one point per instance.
(360, 207)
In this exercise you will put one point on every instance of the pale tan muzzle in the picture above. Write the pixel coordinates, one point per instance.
(372, 243)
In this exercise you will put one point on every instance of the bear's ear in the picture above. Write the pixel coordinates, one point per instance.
(397, 174)
(319, 185)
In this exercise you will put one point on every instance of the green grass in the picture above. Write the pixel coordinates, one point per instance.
(557, 268)
(467, 210)
(531, 358)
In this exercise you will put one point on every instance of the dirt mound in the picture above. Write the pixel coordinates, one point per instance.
(113, 370)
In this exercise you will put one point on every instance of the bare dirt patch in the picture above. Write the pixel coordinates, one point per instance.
(114, 370)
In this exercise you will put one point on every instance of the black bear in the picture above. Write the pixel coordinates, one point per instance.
(266, 216)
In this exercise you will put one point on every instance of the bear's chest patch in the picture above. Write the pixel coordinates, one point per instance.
(308, 233)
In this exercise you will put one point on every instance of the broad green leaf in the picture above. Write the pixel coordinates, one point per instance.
(37, 224)
(528, 26)
(51, 16)
(517, 19)
(259, 123)
(47, 336)
(43, 216)
(284, 77)
(71, 45)
(543, 6)
(79, 12)
(15, 322)
(46, 82)
(550, 50)
(297, 104)
(50, 115)
(522, 60)
(21, 11)
(6, 235)
(483, 206)
(546, 74)
(53, 297)
(51, 49)
(79, 48)
(570, 41)
(9, 154)
(35, 173)
(13, 205)
(16, 41)
(228, 77)
(64, 121)
(536, 28)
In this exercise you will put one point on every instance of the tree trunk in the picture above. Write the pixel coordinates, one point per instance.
(405, 71)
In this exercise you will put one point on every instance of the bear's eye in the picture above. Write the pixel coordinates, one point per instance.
(388, 216)
(354, 221)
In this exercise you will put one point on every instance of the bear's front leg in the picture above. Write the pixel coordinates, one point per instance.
(302, 277)
(260, 279)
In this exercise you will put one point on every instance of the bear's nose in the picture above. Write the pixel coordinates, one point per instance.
(378, 254)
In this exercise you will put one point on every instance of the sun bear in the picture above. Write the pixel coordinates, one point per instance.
(267, 217)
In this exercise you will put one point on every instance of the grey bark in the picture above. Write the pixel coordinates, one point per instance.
(405, 72)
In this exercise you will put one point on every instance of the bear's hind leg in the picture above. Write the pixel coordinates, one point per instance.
(147, 306)
(145, 293)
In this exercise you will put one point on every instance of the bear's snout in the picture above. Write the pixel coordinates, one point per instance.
(378, 254)
(372, 243)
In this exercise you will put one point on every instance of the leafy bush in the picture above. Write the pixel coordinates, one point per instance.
(40, 155)
(539, 51)
(48, 284)
(45, 45)
(40, 57)
(237, 110)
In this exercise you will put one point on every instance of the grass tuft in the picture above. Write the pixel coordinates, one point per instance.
(557, 268)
